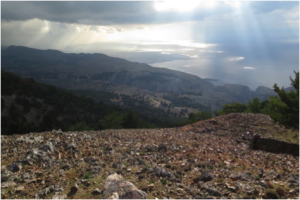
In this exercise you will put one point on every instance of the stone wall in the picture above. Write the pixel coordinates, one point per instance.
(274, 146)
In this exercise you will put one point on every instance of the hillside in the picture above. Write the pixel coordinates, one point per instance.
(28, 106)
(180, 163)
(99, 72)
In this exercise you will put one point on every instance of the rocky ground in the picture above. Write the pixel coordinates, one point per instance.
(210, 159)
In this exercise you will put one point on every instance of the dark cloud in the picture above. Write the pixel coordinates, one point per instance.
(267, 42)
(74, 12)
(119, 12)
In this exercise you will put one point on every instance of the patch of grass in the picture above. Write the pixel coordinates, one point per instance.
(151, 181)
(88, 175)
(72, 174)
(257, 178)
(164, 181)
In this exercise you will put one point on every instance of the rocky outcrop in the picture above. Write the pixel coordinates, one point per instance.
(117, 188)
(150, 163)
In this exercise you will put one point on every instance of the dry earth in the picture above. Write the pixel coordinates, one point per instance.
(209, 159)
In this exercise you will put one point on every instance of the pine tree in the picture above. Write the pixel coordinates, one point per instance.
(290, 103)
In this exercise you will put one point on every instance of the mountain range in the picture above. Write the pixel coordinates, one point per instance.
(171, 90)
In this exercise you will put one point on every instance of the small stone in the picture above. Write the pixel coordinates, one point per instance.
(280, 191)
(151, 186)
(211, 190)
(162, 148)
(15, 166)
(205, 177)
(74, 189)
(232, 188)
(20, 188)
(179, 190)
(85, 182)
(8, 184)
(72, 146)
(97, 191)
(124, 189)
(59, 196)
(66, 167)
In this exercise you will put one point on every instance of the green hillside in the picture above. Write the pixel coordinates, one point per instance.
(28, 106)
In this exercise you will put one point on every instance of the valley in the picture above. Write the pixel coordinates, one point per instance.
(182, 93)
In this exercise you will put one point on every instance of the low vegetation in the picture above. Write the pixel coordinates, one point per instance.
(28, 106)
(283, 108)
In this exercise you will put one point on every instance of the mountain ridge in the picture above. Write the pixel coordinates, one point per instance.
(92, 71)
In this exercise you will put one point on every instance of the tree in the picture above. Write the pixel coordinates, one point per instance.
(284, 109)
(275, 109)
(254, 106)
(79, 126)
(111, 121)
(131, 120)
(199, 116)
(231, 108)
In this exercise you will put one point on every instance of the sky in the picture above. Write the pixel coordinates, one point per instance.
(253, 43)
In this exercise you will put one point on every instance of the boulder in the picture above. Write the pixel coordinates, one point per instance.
(205, 176)
(15, 166)
(158, 171)
(40, 155)
(48, 147)
(116, 187)
(162, 148)
(211, 190)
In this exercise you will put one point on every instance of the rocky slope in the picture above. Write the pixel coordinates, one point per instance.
(210, 159)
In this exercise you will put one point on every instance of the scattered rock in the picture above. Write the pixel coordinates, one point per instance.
(205, 176)
(162, 148)
(116, 186)
(97, 191)
(73, 190)
(158, 171)
(72, 146)
(20, 188)
(211, 190)
(30, 139)
(271, 194)
(92, 161)
(48, 147)
(187, 155)
(53, 188)
(59, 196)
(8, 184)
(151, 186)
(15, 166)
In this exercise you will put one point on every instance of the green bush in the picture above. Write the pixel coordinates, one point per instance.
(79, 126)
(232, 108)
(283, 108)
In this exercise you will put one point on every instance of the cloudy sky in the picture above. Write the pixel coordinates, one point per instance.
(244, 42)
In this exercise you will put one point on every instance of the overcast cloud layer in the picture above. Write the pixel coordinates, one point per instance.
(249, 43)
